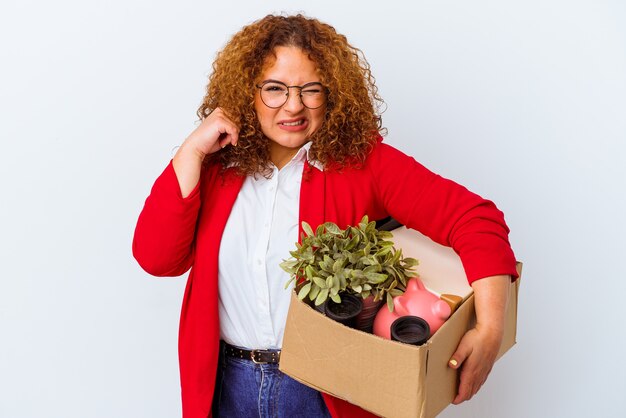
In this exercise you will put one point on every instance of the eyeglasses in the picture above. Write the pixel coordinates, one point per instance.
(274, 94)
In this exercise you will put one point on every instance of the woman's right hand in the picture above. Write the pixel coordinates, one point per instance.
(214, 133)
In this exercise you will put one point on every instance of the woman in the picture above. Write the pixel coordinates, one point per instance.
(290, 133)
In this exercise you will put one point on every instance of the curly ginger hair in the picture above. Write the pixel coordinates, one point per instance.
(352, 122)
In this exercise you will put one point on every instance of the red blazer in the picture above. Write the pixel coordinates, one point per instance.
(174, 234)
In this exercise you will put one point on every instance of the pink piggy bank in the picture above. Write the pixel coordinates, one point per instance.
(416, 301)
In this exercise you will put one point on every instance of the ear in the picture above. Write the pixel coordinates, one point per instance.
(412, 286)
(441, 309)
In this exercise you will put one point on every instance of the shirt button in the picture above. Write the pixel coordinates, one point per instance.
(259, 262)
(271, 188)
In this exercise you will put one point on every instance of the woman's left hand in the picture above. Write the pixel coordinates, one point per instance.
(479, 347)
(475, 357)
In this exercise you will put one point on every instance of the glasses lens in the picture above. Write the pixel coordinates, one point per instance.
(313, 95)
(274, 94)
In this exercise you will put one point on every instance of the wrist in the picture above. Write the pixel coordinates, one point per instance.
(189, 152)
(492, 330)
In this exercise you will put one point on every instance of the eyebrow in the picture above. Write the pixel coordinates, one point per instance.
(271, 80)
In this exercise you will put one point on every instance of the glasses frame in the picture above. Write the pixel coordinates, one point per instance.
(312, 83)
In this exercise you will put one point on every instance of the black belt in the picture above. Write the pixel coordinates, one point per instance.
(257, 356)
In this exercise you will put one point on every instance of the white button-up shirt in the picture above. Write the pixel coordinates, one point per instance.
(260, 232)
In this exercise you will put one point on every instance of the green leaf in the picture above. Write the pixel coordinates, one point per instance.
(396, 257)
(333, 228)
(353, 242)
(304, 291)
(396, 292)
(336, 298)
(289, 281)
(389, 302)
(288, 265)
(329, 282)
(321, 297)
(321, 283)
(376, 277)
(356, 274)
(314, 292)
(375, 268)
(307, 229)
(309, 272)
(393, 271)
(385, 235)
(328, 263)
(410, 262)
(339, 263)
(342, 282)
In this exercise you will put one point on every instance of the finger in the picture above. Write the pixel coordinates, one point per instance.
(225, 140)
(228, 135)
(466, 386)
(460, 355)
(234, 137)
(471, 380)
(467, 390)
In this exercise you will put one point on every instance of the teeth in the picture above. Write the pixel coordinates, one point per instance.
(300, 122)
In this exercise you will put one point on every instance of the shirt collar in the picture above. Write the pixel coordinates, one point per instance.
(304, 153)
(301, 155)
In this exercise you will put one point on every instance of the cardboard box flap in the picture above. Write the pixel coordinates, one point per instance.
(440, 268)
(510, 329)
(441, 381)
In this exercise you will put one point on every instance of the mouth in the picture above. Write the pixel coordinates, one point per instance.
(297, 122)
(294, 125)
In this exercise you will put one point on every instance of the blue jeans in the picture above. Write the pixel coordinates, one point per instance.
(245, 389)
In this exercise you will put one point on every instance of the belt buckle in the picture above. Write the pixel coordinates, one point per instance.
(253, 354)
(275, 356)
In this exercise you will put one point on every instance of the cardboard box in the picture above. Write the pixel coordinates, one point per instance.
(385, 377)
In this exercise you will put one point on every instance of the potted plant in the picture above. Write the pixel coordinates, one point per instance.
(360, 260)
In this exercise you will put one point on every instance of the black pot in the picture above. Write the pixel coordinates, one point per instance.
(410, 330)
(321, 308)
(346, 311)
(365, 320)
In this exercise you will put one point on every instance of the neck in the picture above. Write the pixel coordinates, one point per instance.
(281, 156)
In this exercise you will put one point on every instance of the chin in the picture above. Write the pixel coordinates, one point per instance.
(290, 141)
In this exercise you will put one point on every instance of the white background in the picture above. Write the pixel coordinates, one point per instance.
(523, 102)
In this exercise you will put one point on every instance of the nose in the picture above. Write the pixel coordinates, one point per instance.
(294, 101)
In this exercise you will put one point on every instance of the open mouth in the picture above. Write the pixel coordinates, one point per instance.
(295, 123)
